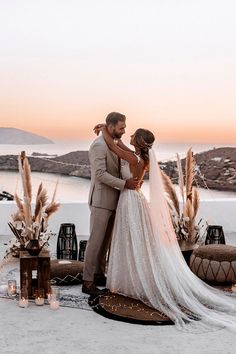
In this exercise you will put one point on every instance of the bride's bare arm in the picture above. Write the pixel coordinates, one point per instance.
(123, 146)
(127, 155)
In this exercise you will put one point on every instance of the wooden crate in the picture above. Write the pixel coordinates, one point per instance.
(35, 272)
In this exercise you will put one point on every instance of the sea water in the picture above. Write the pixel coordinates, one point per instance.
(75, 188)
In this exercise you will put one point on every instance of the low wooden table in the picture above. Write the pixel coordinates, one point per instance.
(35, 272)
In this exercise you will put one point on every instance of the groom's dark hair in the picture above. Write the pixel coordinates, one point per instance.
(114, 117)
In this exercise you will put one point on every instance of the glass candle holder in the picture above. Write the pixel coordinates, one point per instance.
(55, 293)
(51, 283)
(54, 298)
(11, 288)
(23, 298)
(54, 304)
(39, 297)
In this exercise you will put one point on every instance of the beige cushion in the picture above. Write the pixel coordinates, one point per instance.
(214, 263)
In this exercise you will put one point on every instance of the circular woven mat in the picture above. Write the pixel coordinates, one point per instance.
(125, 309)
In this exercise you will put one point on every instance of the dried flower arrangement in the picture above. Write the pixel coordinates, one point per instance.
(184, 214)
(26, 224)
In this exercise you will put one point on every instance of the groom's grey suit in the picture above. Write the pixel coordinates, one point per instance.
(103, 197)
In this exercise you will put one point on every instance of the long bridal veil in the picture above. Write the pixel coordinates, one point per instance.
(181, 295)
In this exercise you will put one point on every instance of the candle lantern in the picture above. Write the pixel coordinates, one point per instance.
(11, 289)
(67, 247)
(82, 248)
(54, 304)
(54, 298)
(39, 297)
(23, 298)
(215, 235)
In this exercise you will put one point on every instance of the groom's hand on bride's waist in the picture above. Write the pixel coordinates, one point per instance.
(132, 183)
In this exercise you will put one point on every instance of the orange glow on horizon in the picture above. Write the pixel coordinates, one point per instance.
(170, 69)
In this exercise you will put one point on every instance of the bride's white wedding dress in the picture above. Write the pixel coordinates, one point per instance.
(146, 263)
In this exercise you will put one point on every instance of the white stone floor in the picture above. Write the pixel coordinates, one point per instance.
(73, 331)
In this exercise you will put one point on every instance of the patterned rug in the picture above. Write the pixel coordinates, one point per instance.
(109, 305)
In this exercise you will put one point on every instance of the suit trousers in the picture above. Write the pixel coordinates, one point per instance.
(101, 225)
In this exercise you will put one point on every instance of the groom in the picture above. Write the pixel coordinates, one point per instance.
(105, 188)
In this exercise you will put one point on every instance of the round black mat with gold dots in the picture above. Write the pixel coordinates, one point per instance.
(122, 308)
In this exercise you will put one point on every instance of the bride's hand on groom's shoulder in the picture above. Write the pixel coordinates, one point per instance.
(98, 128)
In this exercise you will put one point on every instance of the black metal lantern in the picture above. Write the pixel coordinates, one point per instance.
(67, 247)
(82, 248)
(215, 235)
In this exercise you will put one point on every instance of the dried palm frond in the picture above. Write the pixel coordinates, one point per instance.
(189, 174)
(170, 190)
(16, 233)
(196, 201)
(181, 178)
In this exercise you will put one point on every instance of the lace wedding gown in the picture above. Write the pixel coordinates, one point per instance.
(146, 263)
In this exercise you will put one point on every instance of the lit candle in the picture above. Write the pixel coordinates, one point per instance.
(23, 297)
(11, 289)
(23, 302)
(39, 297)
(54, 304)
(39, 301)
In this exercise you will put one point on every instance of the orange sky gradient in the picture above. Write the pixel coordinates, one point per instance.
(168, 66)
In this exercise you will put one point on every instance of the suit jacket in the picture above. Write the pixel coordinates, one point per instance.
(105, 182)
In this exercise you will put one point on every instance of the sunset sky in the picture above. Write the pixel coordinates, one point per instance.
(168, 65)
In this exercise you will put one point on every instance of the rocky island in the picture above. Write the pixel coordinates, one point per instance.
(217, 167)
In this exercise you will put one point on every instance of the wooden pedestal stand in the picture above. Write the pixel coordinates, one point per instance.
(35, 272)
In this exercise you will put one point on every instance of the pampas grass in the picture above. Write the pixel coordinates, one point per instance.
(183, 218)
(189, 174)
(196, 201)
(170, 190)
(181, 178)
(26, 225)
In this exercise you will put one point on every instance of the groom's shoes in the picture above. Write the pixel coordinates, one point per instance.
(90, 289)
(100, 280)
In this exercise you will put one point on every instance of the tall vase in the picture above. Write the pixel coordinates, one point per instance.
(33, 247)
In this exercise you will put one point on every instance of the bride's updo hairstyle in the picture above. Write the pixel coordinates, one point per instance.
(144, 140)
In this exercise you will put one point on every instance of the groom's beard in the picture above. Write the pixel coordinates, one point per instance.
(117, 136)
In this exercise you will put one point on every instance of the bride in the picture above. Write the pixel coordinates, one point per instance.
(145, 260)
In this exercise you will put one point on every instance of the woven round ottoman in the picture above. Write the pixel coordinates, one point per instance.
(66, 272)
(214, 263)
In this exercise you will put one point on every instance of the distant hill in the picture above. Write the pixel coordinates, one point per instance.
(218, 166)
(21, 137)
